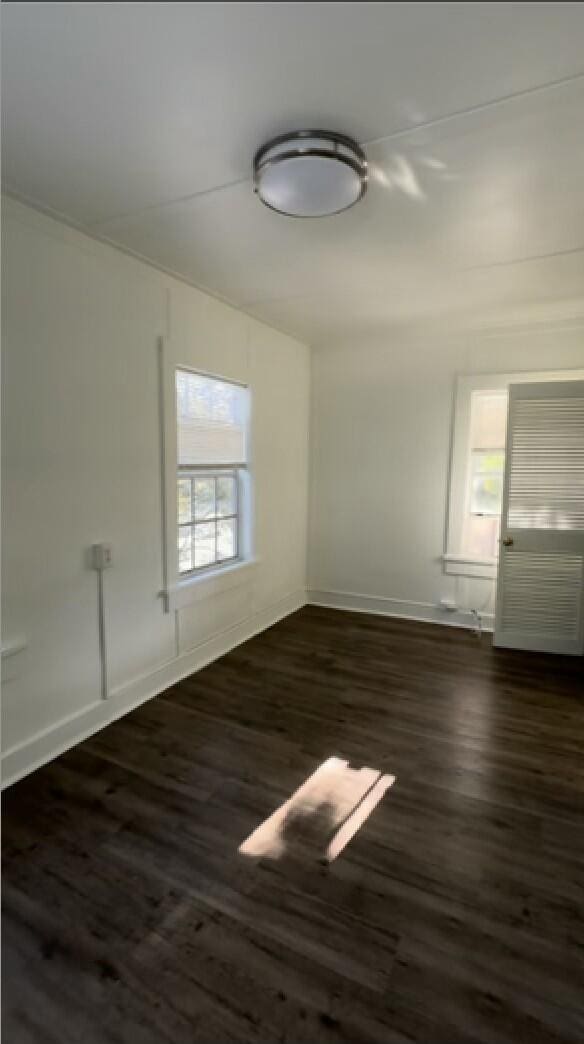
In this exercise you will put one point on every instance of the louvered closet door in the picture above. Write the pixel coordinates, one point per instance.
(540, 588)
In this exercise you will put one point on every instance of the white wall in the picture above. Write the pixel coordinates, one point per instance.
(81, 464)
(380, 446)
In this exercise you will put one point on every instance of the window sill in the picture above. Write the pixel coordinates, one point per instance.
(195, 589)
(469, 565)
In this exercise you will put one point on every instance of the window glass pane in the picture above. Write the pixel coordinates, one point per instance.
(486, 488)
(184, 507)
(204, 498)
(226, 539)
(225, 495)
(488, 420)
(185, 553)
(489, 462)
(208, 521)
(486, 494)
(204, 540)
(483, 535)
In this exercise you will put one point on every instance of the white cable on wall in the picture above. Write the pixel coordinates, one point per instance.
(102, 639)
(101, 559)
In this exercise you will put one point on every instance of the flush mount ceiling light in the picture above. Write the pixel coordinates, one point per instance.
(310, 173)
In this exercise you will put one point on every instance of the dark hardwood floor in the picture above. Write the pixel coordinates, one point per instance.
(454, 914)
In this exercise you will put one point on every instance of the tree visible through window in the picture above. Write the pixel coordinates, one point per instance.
(207, 519)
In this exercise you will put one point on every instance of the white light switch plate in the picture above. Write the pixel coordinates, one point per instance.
(102, 556)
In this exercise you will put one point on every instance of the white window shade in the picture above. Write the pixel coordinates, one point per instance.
(210, 421)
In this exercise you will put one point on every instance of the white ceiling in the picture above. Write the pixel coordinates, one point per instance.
(139, 123)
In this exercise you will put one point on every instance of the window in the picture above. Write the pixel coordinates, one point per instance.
(477, 469)
(486, 465)
(211, 453)
(207, 520)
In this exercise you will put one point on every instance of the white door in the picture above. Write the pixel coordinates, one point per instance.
(540, 586)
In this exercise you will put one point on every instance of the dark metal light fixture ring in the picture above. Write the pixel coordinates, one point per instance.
(310, 173)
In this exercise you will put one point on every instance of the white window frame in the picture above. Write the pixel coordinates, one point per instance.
(183, 589)
(456, 561)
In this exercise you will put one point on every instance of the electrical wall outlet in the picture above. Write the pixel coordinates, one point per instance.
(101, 556)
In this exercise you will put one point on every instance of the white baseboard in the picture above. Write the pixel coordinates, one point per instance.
(425, 612)
(24, 758)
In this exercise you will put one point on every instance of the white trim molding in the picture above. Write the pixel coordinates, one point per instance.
(467, 565)
(424, 612)
(24, 758)
(205, 585)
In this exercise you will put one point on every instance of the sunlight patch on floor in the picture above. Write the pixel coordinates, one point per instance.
(325, 812)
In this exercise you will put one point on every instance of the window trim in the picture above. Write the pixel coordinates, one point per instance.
(455, 560)
(195, 588)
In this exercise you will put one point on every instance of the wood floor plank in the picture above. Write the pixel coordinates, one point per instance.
(454, 914)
